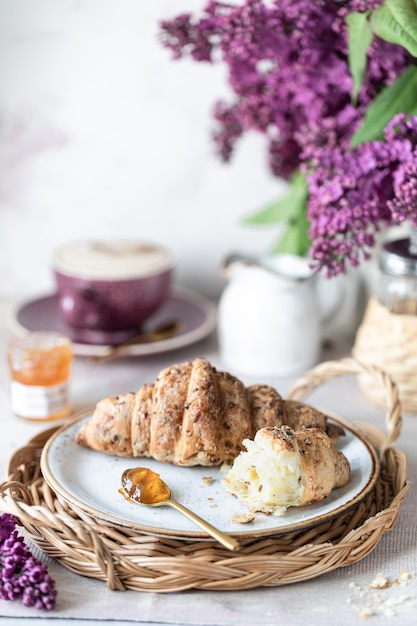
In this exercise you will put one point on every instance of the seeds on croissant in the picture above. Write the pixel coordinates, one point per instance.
(192, 414)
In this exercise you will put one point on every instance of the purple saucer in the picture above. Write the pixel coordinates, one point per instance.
(196, 314)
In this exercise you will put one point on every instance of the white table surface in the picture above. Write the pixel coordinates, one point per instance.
(333, 598)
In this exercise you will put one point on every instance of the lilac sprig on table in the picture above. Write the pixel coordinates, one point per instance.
(22, 576)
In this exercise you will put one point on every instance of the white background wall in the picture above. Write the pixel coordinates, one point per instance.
(102, 134)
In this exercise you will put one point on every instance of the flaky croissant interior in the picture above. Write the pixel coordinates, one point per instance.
(282, 468)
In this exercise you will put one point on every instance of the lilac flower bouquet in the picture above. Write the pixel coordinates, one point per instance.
(332, 85)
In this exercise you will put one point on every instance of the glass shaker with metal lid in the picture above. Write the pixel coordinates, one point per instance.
(398, 282)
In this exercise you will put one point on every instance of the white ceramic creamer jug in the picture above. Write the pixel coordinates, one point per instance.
(270, 316)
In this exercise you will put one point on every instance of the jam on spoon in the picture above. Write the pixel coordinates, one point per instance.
(143, 486)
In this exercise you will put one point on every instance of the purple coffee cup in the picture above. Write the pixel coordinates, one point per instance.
(111, 286)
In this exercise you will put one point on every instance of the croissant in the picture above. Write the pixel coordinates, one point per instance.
(192, 415)
(282, 468)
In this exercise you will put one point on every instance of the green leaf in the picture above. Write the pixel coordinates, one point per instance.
(289, 242)
(396, 21)
(400, 97)
(360, 38)
(286, 208)
(291, 209)
(294, 241)
(280, 210)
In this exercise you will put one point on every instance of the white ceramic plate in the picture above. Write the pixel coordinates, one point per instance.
(89, 481)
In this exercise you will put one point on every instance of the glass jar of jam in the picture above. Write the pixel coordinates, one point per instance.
(39, 366)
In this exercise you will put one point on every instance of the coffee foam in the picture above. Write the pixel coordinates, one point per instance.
(112, 259)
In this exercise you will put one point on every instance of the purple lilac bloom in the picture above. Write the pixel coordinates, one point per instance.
(22, 576)
(349, 6)
(353, 192)
(288, 70)
(289, 75)
(7, 526)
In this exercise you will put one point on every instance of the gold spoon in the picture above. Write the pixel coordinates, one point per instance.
(164, 331)
(143, 486)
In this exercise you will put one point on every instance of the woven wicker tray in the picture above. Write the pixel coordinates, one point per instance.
(128, 560)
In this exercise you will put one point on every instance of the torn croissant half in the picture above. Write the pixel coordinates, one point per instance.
(282, 468)
(193, 414)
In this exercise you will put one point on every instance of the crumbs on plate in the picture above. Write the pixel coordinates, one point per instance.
(244, 518)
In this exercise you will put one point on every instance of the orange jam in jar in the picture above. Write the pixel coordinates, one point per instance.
(40, 366)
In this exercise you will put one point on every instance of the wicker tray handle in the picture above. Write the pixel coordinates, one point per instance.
(332, 369)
